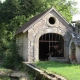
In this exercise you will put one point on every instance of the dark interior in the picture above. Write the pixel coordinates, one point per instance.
(51, 43)
(51, 20)
(43, 50)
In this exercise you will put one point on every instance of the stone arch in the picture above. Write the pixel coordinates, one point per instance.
(37, 36)
(51, 45)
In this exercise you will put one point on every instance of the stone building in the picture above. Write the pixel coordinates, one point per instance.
(46, 36)
(74, 45)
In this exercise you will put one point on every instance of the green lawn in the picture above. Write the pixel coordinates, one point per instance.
(69, 71)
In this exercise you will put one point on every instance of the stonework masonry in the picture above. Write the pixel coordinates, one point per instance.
(41, 28)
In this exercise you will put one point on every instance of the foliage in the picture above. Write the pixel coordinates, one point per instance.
(12, 59)
(69, 71)
(14, 13)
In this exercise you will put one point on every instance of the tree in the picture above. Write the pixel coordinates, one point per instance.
(14, 13)
(65, 7)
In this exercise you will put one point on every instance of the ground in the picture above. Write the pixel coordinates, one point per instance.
(15, 74)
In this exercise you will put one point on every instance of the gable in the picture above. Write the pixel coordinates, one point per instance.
(30, 22)
(35, 19)
(52, 19)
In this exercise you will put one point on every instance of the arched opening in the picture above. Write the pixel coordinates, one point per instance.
(73, 49)
(51, 44)
(52, 20)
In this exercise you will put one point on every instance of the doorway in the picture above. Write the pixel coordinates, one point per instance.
(51, 44)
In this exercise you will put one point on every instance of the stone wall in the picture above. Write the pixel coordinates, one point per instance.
(42, 27)
(22, 43)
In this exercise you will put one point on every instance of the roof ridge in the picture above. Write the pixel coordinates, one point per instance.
(34, 19)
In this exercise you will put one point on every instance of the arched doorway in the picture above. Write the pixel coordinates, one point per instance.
(51, 44)
(73, 49)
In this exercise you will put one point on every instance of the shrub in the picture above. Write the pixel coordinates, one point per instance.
(12, 60)
(1, 56)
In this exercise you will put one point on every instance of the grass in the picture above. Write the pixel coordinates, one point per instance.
(69, 71)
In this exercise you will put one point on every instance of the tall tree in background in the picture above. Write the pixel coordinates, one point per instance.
(14, 13)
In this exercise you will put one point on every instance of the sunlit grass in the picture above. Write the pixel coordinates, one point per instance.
(69, 71)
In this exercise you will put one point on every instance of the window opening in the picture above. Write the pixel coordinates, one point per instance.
(51, 20)
(52, 44)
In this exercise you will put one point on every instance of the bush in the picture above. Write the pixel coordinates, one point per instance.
(12, 60)
(1, 56)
